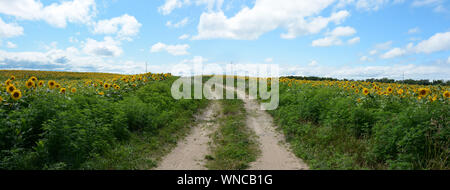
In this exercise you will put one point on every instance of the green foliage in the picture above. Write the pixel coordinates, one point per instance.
(83, 131)
(234, 147)
(330, 129)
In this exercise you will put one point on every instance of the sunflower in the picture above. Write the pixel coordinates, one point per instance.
(30, 84)
(423, 92)
(389, 89)
(357, 91)
(106, 85)
(41, 83)
(366, 91)
(73, 90)
(446, 94)
(8, 82)
(117, 87)
(51, 84)
(16, 95)
(10, 88)
(62, 90)
(1, 99)
(57, 85)
(33, 78)
(12, 77)
(400, 91)
(101, 93)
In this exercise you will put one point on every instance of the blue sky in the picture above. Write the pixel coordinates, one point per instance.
(332, 38)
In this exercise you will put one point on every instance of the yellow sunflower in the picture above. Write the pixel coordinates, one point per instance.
(51, 84)
(41, 83)
(30, 84)
(57, 85)
(446, 94)
(62, 90)
(16, 95)
(10, 88)
(423, 92)
(12, 77)
(366, 91)
(101, 93)
(1, 99)
(74, 90)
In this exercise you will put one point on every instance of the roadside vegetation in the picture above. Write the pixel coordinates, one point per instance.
(89, 121)
(365, 125)
(234, 145)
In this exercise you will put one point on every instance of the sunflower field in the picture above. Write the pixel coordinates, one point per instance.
(366, 125)
(62, 120)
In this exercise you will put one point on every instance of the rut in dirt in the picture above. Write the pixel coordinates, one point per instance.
(275, 152)
(189, 154)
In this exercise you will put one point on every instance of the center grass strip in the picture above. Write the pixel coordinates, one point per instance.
(233, 145)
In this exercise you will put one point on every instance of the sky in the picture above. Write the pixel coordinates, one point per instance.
(354, 39)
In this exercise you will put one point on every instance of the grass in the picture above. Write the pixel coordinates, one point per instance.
(233, 145)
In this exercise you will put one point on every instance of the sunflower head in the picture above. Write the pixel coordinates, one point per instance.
(33, 78)
(10, 88)
(389, 89)
(62, 90)
(8, 82)
(106, 85)
(16, 95)
(12, 77)
(117, 87)
(446, 94)
(101, 93)
(41, 83)
(73, 90)
(57, 85)
(400, 91)
(30, 84)
(423, 92)
(366, 91)
(51, 84)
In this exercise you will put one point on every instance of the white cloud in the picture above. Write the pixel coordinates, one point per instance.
(11, 45)
(183, 37)
(383, 46)
(56, 14)
(170, 5)
(327, 41)
(124, 26)
(268, 60)
(343, 31)
(437, 42)
(297, 17)
(69, 59)
(433, 72)
(413, 30)
(313, 63)
(178, 24)
(373, 52)
(365, 59)
(419, 3)
(332, 38)
(108, 47)
(393, 53)
(172, 49)
(8, 30)
(367, 5)
(354, 40)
